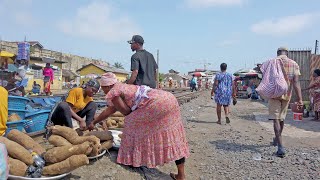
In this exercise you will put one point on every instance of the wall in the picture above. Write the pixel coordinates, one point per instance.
(121, 77)
(302, 57)
(91, 69)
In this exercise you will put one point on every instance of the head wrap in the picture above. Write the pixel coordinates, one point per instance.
(93, 83)
(108, 79)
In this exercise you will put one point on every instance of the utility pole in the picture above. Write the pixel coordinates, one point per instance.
(316, 47)
(158, 72)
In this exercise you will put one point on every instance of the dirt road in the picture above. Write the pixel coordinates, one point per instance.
(240, 150)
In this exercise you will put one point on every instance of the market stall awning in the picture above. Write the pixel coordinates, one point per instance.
(42, 65)
(6, 54)
(91, 76)
(198, 74)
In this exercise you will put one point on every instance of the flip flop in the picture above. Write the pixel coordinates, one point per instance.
(219, 122)
(227, 120)
(173, 176)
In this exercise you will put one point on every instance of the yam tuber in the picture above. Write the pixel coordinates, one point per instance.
(25, 141)
(58, 141)
(16, 167)
(14, 117)
(111, 123)
(72, 136)
(121, 124)
(17, 151)
(117, 114)
(95, 150)
(117, 119)
(59, 154)
(106, 145)
(102, 135)
(66, 166)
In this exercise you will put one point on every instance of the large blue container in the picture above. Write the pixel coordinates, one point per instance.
(20, 112)
(36, 121)
(17, 102)
(19, 125)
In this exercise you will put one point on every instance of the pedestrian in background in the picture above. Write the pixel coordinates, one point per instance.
(223, 90)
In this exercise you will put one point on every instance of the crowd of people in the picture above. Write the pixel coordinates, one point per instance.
(154, 132)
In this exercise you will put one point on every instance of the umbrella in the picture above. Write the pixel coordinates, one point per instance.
(6, 54)
(198, 74)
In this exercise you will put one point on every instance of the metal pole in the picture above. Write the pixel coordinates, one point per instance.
(316, 47)
(158, 72)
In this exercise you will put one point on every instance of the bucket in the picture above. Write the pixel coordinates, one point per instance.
(297, 116)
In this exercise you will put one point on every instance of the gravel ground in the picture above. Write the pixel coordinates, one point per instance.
(240, 150)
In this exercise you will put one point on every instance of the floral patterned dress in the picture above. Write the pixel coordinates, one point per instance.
(223, 92)
(153, 134)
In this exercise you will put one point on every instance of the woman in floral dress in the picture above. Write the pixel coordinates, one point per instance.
(153, 131)
(315, 93)
(222, 90)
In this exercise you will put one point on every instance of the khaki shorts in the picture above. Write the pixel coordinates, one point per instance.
(278, 109)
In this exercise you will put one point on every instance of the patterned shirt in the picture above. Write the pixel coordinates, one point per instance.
(291, 69)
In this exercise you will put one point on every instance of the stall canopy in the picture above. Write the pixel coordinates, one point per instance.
(247, 73)
(42, 65)
(6, 54)
(91, 76)
(199, 74)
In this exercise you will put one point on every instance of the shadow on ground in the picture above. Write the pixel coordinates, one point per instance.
(234, 147)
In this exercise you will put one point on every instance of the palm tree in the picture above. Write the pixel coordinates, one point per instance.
(118, 65)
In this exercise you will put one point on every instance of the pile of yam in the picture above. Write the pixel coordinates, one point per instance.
(116, 120)
(58, 160)
(68, 141)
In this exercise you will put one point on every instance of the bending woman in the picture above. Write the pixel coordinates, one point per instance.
(78, 104)
(153, 133)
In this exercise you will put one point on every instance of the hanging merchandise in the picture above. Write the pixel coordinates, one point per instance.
(23, 51)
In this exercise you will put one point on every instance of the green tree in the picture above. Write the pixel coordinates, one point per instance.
(161, 77)
(118, 65)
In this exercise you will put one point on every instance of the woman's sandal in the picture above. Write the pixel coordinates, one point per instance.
(219, 122)
(227, 120)
(173, 176)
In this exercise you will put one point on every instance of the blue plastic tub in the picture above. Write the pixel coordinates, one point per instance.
(20, 112)
(19, 125)
(36, 120)
(17, 102)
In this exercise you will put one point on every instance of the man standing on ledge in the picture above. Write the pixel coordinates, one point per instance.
(143, 65)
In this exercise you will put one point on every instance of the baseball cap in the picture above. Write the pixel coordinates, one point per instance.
(282, 49)
(136, 39)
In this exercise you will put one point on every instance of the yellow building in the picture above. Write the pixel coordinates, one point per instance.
(92, 70)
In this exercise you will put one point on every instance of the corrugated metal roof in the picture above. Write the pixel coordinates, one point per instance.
(106, 69)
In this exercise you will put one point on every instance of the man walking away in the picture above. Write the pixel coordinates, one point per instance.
(278, 107)
(223, 90)
(143, 64)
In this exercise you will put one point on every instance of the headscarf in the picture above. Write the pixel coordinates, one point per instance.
(93, 83)
(108, 79)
